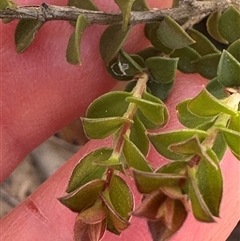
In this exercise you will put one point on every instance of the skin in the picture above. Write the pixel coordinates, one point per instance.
(41, 93)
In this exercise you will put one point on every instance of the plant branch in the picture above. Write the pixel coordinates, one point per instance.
(186, 9)
(130, 112)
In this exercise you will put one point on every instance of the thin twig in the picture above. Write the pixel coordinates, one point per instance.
(186, 9)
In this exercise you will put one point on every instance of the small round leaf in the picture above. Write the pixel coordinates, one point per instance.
(200, 209)
(152, 28)
(234, 50)
(160, 90)
(153, 111)
(109, 105)
(213, 28)
(187, 118)
(228, 71)
(26, 32)
(162, 141)
(112, 41)
(73, 48)
(148, 182)
(138, 135)
(86, 170)
(232, 139)
(187, 56)
(99, 128)
(229, 23)
(202, 45)
(83, 197)
(172, 35)
(121, 196)
(125, 7)
(207, 65)
(134, 157)
(216, 89)
(198, 105)
(162, 69)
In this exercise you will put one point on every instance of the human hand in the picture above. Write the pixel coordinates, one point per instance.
(41, 93)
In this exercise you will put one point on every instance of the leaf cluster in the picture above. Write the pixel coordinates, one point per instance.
(192, 179)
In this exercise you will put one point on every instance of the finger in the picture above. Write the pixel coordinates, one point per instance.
(41, 91)
(42, 217)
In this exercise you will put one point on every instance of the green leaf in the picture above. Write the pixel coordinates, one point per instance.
(153, 111)
(213, 28)
(146, 122)
(26, 32)
(83, 4)
(119, 201)
(160, 90)
(228, 70)
(83, 197)
(219, 146)
(172, 35)
(125, 7)
(162, 141)
(216, 89)
(99, 128)
(86, 170)
(175, 215)
(73, 48)
(109, 105)
(192, 146)
(200, 209)
(147, 182)
(186, 55)
(177, 167)
(229, 24)
(148, 27)
(138, 135)
(112, 162)
(187, 118)
(232, 139)
(4, 4)
(121, 196)
(134, 157)
(207, 65)
(94, 214)
(140, 5)
(162, 69)
(210, 183)
(151, 33)
(152, 98)
(198, 105)
(112, 41)
(203, 46)
(234, 50)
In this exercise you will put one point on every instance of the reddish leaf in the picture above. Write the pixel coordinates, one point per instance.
(150, 205)
(178, 215)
